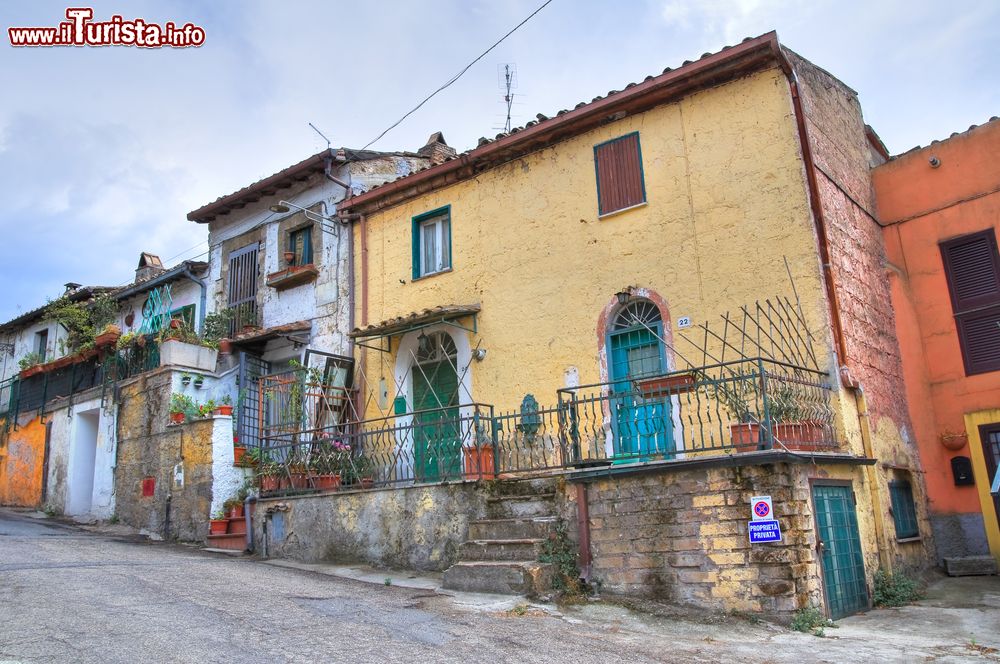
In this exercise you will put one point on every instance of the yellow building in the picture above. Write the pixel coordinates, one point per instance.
(713, 224)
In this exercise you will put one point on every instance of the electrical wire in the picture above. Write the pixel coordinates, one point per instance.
(457, 76)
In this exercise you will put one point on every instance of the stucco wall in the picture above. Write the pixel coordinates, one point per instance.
(21, 461)
(726, 204)
(417, 528)
(183, 292)
(921, 207)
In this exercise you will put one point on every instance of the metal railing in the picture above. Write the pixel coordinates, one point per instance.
(134, 360)
(738, 406)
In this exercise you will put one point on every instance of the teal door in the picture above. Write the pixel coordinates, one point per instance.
(437, 448)
(642, 427)
(840, 545)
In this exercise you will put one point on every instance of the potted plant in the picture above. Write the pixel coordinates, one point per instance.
(234, 508)
(289, 258)
(953, 440)
(108, 337)
(206, 409)
(181, 407)
(30, 365)
(666, 386)
(226, 407)
(199, 381)
(219, 524)
(185, 379)
(328, 463)
(268, 471)
(365, 468)
(793, 427)
(740, 398)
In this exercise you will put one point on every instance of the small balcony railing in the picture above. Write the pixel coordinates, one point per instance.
(733, 407)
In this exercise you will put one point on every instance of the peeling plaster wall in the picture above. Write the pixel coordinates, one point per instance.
(24, 343)
(414, 528)
(21, 462)
(226, 478)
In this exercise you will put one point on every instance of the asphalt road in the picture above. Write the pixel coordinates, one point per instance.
(72, 596)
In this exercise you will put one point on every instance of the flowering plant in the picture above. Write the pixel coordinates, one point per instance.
(330, 455)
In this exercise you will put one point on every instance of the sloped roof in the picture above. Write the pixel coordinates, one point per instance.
(78, 295)
(401, 324)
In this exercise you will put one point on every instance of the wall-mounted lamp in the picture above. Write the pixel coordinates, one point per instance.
(934, 162)
(479, 354)
(624, 295)
(423, 343)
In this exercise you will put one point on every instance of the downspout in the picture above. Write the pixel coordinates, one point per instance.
(204, 296)
(844, 371)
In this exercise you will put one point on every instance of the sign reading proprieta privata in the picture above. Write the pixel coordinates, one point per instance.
(762, 532)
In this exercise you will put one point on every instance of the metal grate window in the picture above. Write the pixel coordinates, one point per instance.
(619, 174)
(242, 292)
(904, 512)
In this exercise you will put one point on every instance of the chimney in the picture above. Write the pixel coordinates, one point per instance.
(150, 265)
(70, 287)
(436, 149)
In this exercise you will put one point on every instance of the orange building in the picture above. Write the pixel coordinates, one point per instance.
(940, 211)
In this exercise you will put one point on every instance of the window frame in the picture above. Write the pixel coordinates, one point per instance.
(904, 510)
(438, 215)
(642, 174)
(185, 314)
(306, 232)
(42, 344)
(976, 308)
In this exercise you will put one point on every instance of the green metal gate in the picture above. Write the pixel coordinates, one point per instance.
(842, 561)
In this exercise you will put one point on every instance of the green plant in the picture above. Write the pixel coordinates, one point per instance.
(783, 402)
(205, 409)
(559, 550)
(227, 400)
(218, 515)
(739, 397)
(810, 620)
(82, 320)
(114, 519)
(182, 403)
(896, 589)
(388, 581)
(127, 340)
(29, 360)
(216, 327)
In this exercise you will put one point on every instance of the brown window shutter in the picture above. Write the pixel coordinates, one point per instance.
(619, 174)
(972, 268)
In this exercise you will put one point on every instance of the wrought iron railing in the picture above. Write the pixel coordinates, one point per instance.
(740, 406)
(242, 316)
(134, 360)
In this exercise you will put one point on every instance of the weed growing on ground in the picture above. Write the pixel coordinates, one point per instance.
(811, 620)
(387, 581)
(113, 520)
(896, 589)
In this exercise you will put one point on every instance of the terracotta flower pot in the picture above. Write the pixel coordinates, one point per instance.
(289, 257)
(479, 462)
(218, 526)
(665, 386)
(106, 339)
(954, 441)
(236, 511)
(224, 409)
(269, 483)
(326, 482)
(177, 418)
(805, 435)
(299, 480)
(746, 436)
(367, 482)
(225, 346)
(239, 455)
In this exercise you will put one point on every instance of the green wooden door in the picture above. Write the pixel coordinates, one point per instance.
(437, 449)
(642, 427)
(841, 559)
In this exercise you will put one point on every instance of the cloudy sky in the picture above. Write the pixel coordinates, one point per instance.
(103, 151)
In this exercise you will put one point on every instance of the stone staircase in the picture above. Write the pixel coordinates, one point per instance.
(235, 537)
(501, 554)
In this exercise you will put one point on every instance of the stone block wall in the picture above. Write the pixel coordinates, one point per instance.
(417, 528)
(681, 536)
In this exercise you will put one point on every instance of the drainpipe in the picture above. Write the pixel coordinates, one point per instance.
(871, 474)
(248, 502)
(583, 530)
(204, 295)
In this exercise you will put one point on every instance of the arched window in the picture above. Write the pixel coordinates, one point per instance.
(436, 347)
(637, 313)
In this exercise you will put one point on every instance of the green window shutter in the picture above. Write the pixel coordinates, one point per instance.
(904, 513)
(307, 249)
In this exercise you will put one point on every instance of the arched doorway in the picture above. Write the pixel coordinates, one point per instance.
(642, 427)
(437, 447)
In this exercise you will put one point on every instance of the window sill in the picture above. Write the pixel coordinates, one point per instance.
(430, 274)
(617, 212)
(293, 276)
(907, 540)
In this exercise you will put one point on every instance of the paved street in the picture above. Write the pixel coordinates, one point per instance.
(68, 595)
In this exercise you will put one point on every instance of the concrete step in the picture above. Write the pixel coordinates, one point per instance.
(970, 566)
(233, 542)
(525, 528)
(526, 486)
(528, 505)
(505, 578)
(237, 526)
(506, 549)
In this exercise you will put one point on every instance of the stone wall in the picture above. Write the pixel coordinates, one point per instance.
(148, 447)
(681, 536)
(417, 528)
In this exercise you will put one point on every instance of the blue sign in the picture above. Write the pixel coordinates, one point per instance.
(764, 531)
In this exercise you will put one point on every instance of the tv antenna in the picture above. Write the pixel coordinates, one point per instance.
(507, 79)
(321, 134)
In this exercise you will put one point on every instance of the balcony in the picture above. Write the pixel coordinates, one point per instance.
(307, 437)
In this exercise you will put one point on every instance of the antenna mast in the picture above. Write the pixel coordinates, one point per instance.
(508, 81)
